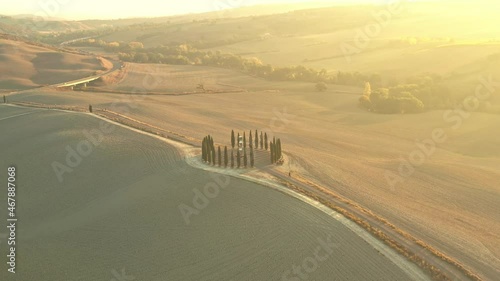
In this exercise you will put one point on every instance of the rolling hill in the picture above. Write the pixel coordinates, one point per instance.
(24, 65)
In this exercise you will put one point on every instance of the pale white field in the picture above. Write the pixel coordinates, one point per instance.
(117, 212)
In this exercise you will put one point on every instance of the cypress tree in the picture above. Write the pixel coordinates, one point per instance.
(265, 140)
(213, 157)
(245, 161)
(209, 153)
(279, 148)
(261, 140)
(238, 140)
(250, 140)
(225, 156)
(272, 153)
(256, 139)
(203, 150)
(244, 140)
(207, 150)
(275, 150)
(232, 159)
(275, 147)
(251, 158)
(238, 158)
(232, 138)
(219, 155)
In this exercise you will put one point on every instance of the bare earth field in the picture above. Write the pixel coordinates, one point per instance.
(115, 216)
(184, 79)
(451, 200)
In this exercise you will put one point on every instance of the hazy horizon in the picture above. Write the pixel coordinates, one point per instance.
(79, 10)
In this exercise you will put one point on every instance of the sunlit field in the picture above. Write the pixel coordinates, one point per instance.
(387, 118)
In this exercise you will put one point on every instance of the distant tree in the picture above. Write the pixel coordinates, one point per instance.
(90, 106)
(232, 159)
(250, 139)
(238, 139)
(272, 152)
(378, 98)
(368, 90)
(261, 140)
(275, 152)
(244, 140)
(204, 149)
(278, 148)
(136, 45)
(238, 158)
(245, 160)
(251, 157)
(256, 140)
(225, 157)
(141, 58)
(209, 152)
(219, 156)
(232, 138)
(321, 87)
(213, 156)
(265, 140)
(4, 99)
(210, 143)
(412, 105)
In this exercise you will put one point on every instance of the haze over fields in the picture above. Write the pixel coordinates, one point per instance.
(388, 116)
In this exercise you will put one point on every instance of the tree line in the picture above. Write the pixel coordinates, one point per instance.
(420, 93)
(186, 54)
(245, 151)
(219, 158)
